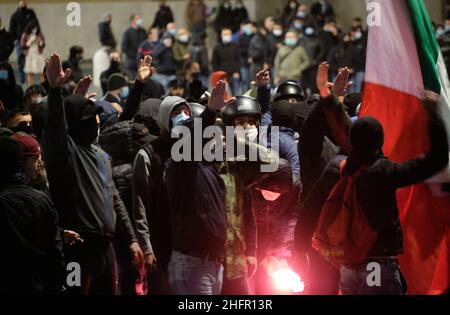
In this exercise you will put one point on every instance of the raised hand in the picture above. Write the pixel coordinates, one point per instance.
(55, 75)
(145, 70)
(263, 77)
(217, 99)
(83, 85)
(322, 76)
(341, 85)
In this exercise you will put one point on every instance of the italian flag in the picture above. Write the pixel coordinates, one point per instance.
(404, 59)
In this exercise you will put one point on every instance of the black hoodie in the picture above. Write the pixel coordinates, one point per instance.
(80, 173)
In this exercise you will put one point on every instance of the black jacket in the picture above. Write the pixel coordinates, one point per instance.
(376, 190)
(106, 35)
(6, 45)
(131, 39)
(226, 58)
(197, 204)
(19, 21)
(30, 240)
(163, 17)
(80, 178)
(163, 60)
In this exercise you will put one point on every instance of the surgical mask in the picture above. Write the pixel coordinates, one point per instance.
(298, 26)
(173, 32)
(250, 135)
(139, 22)
(4, 75)
(167, 42)
(309, 31)
(290, 42)
(440, 32)
(183, 38)
(447, 28)
(226, 39)
(293, 5)
(179, 119)
(301, 14)
(277, 33)
(358, 35)
(36, 100)
(124, 92)
(248, 31)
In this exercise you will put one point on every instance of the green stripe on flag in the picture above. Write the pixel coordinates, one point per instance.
(427, 45)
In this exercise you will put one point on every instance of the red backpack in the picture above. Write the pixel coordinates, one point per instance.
(343, 234)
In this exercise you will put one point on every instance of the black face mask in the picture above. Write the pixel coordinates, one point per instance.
(196, 76)
(115, 64)
(24, 127)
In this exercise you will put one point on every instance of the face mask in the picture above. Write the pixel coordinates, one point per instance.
(447, 28)
(277, 33)
(298, 26)
(36, 100)
(4, 75)
(196, 76)
(309, 31)
(226, 5)
(293, 5)
(167, 42)
(34, 31)
(250, 135)
(23, 127)
(226, 39)
(358, 35)
(290, 42)
(248, 31)
(179, 119)
(173, 32)
(124, 92)
(139, 22)
(440, 32)
(301, 14)
(183, 38)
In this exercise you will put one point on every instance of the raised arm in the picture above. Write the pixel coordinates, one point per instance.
(144, 73)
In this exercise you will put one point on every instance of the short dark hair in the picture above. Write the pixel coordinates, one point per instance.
(13, 113)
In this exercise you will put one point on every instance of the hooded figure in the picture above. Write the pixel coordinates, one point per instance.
(82, 187)
(148, 115)
(167, 107)
(81, 119)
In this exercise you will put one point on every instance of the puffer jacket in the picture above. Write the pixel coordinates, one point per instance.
(122, 141)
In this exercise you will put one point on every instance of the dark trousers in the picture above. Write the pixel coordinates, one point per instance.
(323, 276)
(235, 287)
(99, 272)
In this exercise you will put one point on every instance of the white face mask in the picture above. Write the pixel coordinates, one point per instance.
(247, 135)
(226, 39)
(277, 32)
(36, 100)
(183, 38)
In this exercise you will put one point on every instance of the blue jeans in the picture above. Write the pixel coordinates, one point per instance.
(20, 62)
(354, 280)
(194, 276)
(245, 80)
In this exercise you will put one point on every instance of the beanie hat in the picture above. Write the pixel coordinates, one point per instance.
(29, 145)
(116, 81)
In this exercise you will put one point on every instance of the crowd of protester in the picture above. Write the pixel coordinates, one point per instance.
(90, 178)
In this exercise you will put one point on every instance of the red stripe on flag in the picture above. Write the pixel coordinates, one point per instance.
(403, 118)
